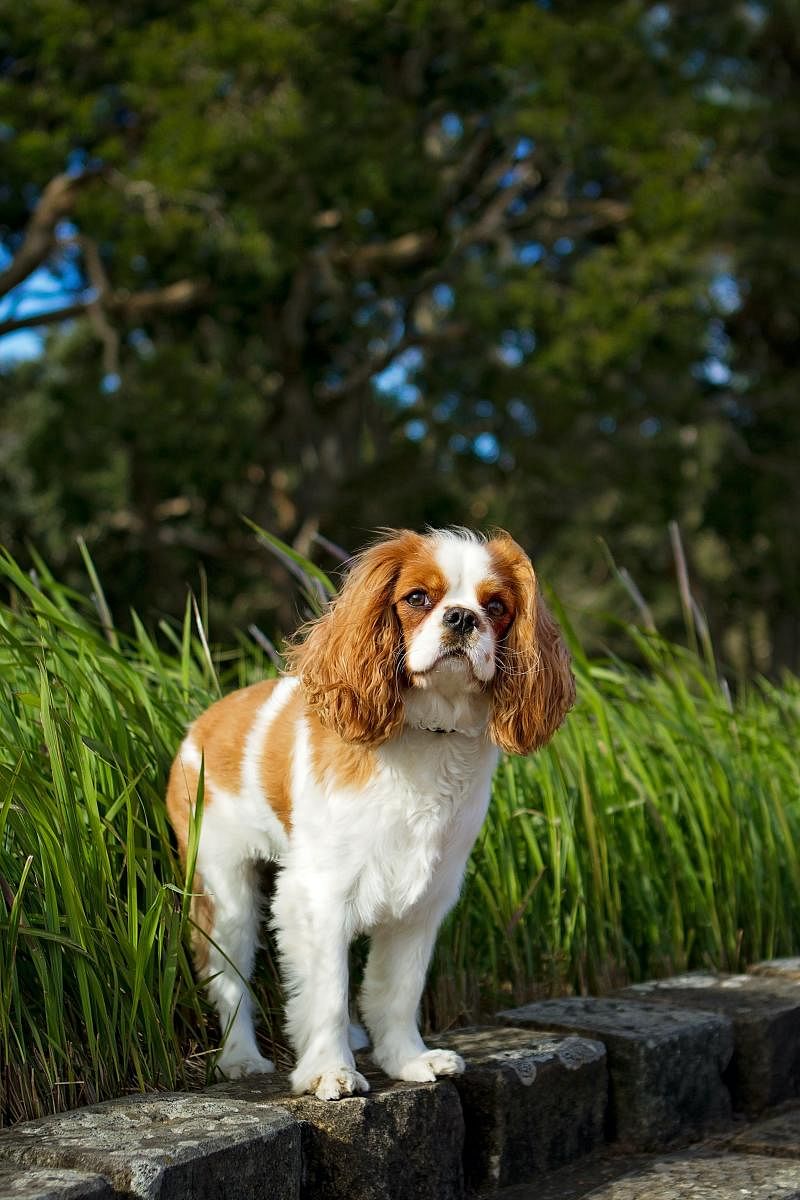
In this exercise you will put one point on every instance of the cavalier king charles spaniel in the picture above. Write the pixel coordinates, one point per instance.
(365, 773)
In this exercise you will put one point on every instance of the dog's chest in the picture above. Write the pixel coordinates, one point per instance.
(425, 810)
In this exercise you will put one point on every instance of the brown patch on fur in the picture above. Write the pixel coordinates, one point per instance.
(221, 732)
(277, 756)
(533, 688)
(181, 796)
(497, 589)
(346, 764)
(419, 572)
(349, 665)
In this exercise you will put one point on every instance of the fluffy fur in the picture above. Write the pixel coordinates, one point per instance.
(365, 772)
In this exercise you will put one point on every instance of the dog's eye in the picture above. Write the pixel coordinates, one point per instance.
(495, 608)
(418, 599)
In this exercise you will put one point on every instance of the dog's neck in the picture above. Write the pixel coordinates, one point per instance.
(447, 700)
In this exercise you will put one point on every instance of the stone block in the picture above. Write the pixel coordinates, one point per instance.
(780, 968)
(765, 1013)
(700, 1176)
(531, 1102)
(43, 1183)
(778, 1135)
(665, 1065)
(400, 1140)
(169, 1147)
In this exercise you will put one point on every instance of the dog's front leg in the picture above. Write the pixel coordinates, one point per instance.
(390, 995)
(313, 935)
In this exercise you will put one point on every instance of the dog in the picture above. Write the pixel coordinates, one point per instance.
(365, 772)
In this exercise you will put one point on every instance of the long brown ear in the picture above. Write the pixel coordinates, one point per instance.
(533, 688)
(349, 663)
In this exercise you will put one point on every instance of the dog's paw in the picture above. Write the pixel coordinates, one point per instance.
(331, 1084)
(238, 1065)
(426, 1067)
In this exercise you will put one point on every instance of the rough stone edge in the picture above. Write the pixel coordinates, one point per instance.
(624, 1135)
(514, 1063)
(19, 1182)
(136, 1175)
(320, 1121)
(776, 968)
(100, 1186)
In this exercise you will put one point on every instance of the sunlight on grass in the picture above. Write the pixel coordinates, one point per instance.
(659, 831)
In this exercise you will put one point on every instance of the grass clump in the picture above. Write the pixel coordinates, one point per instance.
(659, 831)
(96, 990)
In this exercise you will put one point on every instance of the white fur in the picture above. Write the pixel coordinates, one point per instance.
(386, 859)
(236, 831)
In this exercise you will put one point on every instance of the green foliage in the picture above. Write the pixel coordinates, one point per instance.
(96, 990)
(659, 831)
(571, 225)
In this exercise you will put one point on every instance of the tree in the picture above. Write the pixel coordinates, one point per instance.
(338, 266)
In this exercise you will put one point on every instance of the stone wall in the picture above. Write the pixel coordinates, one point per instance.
(561, 1098)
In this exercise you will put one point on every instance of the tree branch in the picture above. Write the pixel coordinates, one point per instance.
(55, 203)
(67, 313)
(125, 307)
(493, 218)
(295, 310)
(420, 245)
(463, 175)
(105, 331)
(375, 363)
(574, 218)
(136, 306)
(399, 252)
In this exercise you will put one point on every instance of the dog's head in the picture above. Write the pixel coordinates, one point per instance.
(419, 610)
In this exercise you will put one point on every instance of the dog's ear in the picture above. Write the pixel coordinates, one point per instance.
(533, 688)
(349, 661)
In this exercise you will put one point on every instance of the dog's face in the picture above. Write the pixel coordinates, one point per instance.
(454, 602)
(417, 607)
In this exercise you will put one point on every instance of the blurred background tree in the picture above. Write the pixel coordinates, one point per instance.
(342, 265)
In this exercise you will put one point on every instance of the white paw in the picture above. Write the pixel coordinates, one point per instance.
(358, 1037)
(331, 1084)
(237, 1065)
(425, 1067)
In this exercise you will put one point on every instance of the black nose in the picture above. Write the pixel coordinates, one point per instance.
(460, 620)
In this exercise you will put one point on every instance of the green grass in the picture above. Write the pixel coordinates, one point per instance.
(659, 831)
